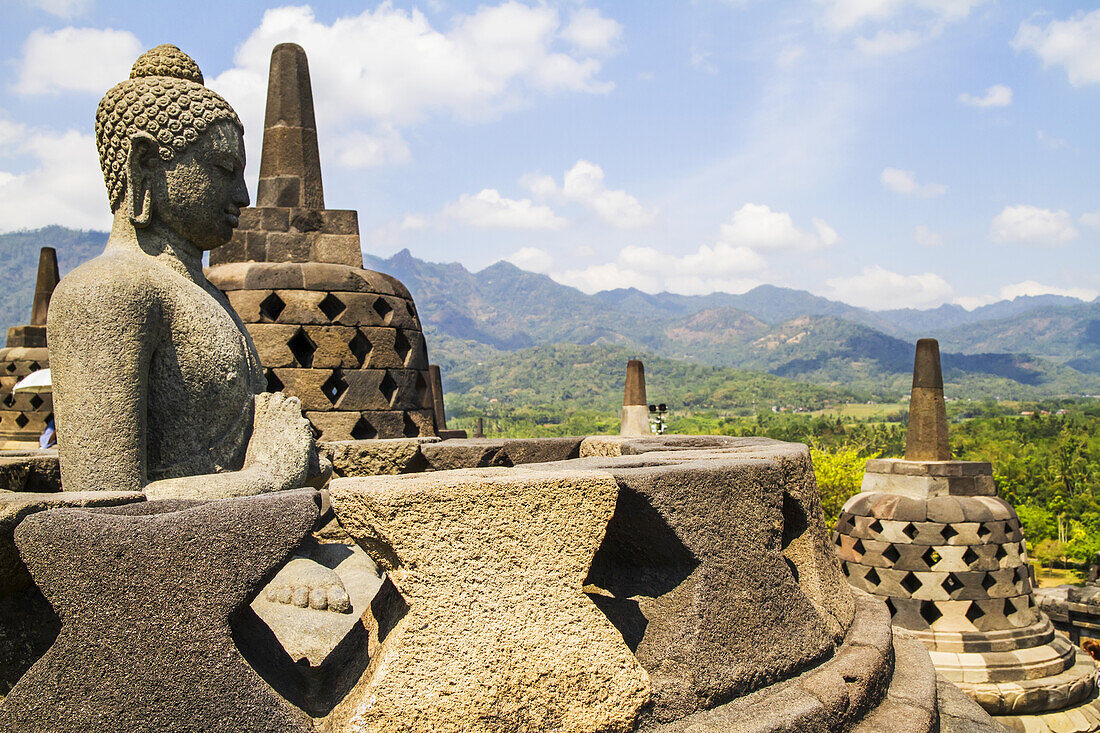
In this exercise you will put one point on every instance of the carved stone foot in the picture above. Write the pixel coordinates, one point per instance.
(307, 584)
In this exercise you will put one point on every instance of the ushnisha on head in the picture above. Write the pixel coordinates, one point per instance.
(172, 149)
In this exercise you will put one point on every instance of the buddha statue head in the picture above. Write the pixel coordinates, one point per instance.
(172, 151)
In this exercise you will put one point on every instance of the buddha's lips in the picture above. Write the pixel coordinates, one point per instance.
(233, 219)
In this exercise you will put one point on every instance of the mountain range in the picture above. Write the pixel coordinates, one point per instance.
(1028, 347)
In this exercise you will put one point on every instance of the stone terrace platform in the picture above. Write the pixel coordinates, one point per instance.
(595, 584)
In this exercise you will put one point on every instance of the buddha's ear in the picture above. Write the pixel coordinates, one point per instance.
(141, 164)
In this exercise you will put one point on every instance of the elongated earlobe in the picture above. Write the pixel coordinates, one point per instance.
(143, 151)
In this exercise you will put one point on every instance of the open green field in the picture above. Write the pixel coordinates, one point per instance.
(864, 411)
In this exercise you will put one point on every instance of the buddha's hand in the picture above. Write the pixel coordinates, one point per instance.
(282, 441)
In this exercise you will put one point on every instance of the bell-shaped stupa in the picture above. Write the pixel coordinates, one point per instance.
(930, 536)
(346, 341)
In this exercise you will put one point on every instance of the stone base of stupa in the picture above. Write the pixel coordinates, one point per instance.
(23, 416)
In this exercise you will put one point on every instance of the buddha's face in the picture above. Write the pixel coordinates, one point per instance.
(202, 191)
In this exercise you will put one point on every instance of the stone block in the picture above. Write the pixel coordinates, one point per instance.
(492, 566)
(271, 340)
(379, 457)
(341, 221)
(341, 249)
(34, 471)
(287, 247)
(331, 347)
(172, 665)
(455, 454)
(541, 450)
(308, 386)
(364, 390)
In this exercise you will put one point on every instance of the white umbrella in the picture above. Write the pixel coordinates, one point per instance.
(35, 382)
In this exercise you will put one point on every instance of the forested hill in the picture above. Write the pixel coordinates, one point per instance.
(1024, 348)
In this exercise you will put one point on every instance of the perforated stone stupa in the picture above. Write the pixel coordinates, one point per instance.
(346, 341)
(23, 417)
(929, 535)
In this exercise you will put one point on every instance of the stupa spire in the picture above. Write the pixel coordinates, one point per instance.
(48, 277)
(926, 439)
(290, 165)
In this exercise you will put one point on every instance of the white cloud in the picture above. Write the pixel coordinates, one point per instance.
(356, 149)
(590, 32)
(878, 288)
(1030, 287)
(720, 268)
(1027, 287)
(757, 227)
(63, 186)
(905, 183)
(848, 14)
(790, 56)
(413, 222)
(63, 8)
(997, 95)
(1091, 219)
(532, 259)
(489, 210)
(584, 251)
(1073, 44)
(700, 59)
(584, 184)
(389, 68)
(1050, 141)
(1023, 224)
(925, 237)
(76, 59)
(886, 42)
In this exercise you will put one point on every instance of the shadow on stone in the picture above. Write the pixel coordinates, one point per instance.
(640, 556)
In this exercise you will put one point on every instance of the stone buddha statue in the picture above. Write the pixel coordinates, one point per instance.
(157, 385)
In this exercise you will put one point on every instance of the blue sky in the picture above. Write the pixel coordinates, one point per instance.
(887, 153)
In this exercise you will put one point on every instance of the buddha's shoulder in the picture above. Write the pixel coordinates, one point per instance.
(110, 281)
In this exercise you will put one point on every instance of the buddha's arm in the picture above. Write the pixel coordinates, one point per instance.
(99, 361)
(278, 457)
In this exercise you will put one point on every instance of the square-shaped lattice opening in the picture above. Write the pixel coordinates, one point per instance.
(951, 583)
(911, 583)
(360, 348)
(909, 530)
(975, 613)
(388, 388)
(9, 400)
(891, 554)
(270, 308)
(411, 429)
(970, 557)
(274, 384)
(872, 577)
(875, 526)
(988, 582)
(857, 547)
(383, 309)
(335, 386)
(930, 612)
(21, 420)
(36, 401)
(402, 346)
(948, 532)
(984, 531)
(363, 430)
(303, 348)
(930, 557)
(331, 306)
(1001, 553)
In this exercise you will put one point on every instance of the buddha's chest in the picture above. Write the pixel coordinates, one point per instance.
(206, 362)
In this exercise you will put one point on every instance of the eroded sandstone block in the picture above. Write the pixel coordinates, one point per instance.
(146, 593)
(499, 634)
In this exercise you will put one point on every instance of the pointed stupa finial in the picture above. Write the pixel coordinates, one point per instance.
(634, 394)
(926, 439)
(290, 165)
(48, 277)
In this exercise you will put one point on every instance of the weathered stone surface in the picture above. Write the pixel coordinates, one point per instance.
(435, 382)
(378, 457)
(704, 545)
(146, 594)
(635, 416)
(498, 634)
(35, 471)
(471, 453)
(926, 439)
(27, 623)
